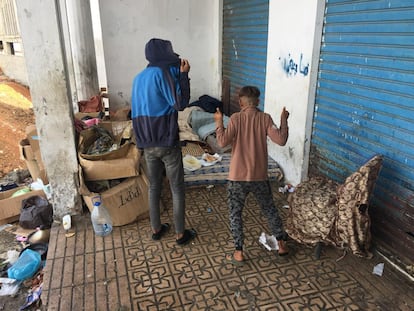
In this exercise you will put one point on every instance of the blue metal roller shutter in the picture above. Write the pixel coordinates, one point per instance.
(365, 106)
(245, 28)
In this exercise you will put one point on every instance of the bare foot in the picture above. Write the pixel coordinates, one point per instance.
(283, 249)
(236, 258)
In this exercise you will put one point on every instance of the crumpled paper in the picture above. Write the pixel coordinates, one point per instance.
(269, 241)
(378, 269)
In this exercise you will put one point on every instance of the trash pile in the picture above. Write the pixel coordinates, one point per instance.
(113, 186)
(24, 267)
(110, 169)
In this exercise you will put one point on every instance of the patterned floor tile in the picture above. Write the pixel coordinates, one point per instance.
(130, 271)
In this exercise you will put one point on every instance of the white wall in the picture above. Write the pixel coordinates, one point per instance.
(291, 38)
(191, 25)
(194, 27)
(15, 68)
(99, 51)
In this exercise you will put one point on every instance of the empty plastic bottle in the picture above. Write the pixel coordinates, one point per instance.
(101, 220)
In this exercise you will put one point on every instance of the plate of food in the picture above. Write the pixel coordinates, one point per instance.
(208, 159)
(191, 163)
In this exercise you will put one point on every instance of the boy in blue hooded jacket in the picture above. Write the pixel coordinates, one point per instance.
(158, 93)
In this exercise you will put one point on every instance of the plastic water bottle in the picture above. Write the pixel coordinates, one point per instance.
(101, 220)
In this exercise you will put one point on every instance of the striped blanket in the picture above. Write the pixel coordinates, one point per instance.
(217, 173)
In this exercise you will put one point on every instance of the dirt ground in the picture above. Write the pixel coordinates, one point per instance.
(15, 115)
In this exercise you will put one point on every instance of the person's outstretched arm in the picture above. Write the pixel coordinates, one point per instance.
(280, 135)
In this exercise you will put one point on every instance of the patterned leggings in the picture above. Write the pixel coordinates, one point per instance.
(237, 192)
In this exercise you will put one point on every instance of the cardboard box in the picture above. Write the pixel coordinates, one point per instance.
(10, 207)
(114, 168)
(126, 202)
(35, 166)
(120, 163)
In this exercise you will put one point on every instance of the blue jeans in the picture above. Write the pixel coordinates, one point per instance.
(169, 158)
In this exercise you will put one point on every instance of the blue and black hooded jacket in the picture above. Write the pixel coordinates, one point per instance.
(158, 93)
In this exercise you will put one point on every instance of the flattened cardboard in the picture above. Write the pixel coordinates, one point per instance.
(10, 207)
(126, 202)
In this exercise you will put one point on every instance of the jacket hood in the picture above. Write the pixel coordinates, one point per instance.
(160, 53)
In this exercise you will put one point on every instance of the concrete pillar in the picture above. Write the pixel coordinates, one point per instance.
(46, 66)
(81, 38)
(70, 73)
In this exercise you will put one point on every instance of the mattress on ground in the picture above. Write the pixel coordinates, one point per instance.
(217, 173)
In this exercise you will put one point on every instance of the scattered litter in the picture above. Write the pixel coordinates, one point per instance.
(378, 269)
(21, 238)
(9, 286)
(269, 241)
(209, 186)
(5, 226)
(209, 210)
(287, 188)
(12, 256)
(7, 281)
(26, 265)
(285, 206)
(39, 185)
(69, 234)
(33, 297)
(67, 222)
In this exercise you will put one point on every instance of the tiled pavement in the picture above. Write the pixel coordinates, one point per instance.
(129, 271)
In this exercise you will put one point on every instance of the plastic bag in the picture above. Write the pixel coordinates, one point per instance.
(39, 185)
(9, 287)
(12, 256)
(268, 241)
(36, 212)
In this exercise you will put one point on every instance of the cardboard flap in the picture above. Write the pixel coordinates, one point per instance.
(83, 190)
(34, 142)
(31, 134)
(26, 151)
(89, 136)
(111, 169)
(111, 155)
